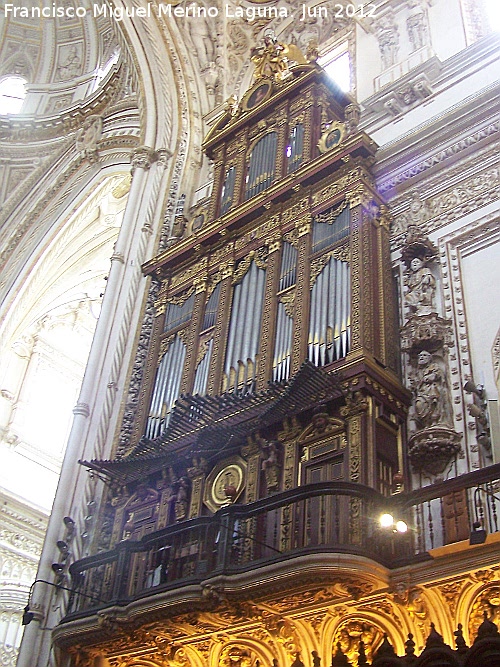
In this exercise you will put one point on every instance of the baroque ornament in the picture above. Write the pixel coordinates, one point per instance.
(432, 449)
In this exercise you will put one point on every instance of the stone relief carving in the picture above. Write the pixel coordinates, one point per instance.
(388, 41)
(200, 33)
(417, 25)
(430, 390)
(421, 295)
(71, 63)
(88, 136)
(425, 337)
(350, 634)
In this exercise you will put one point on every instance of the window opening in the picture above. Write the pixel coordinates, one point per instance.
(12, 94)
(337, 64)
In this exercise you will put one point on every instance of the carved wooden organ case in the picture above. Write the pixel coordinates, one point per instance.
(273, 362)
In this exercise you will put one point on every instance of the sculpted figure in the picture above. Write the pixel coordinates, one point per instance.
(201, 36)
(270, 467)
(181, 500)
(269, 60)
(421, 288)
(429, 387)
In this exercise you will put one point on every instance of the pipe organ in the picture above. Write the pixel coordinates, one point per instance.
(271, 370)
(291, 261)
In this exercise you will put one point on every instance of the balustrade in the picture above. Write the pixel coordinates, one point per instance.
(332, 517)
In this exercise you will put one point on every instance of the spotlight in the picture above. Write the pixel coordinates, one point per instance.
(472, 388)
(63, 547)
(70, 524)
(401, 526)
(28, 616)
(475, 411)
(386, 521)
(484, 440)
(57, 568)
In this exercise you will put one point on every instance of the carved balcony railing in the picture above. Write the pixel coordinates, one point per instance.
(331, 517)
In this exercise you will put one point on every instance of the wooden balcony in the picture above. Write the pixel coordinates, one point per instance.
(326, 518)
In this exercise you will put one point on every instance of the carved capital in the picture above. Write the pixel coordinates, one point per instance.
(227, 270)
(200, 285)
(303, 225)
(359, 196)
(274, 245)
(143, 157)
(163, 155)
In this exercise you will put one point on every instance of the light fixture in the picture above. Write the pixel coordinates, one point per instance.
(401, 526)
(388, 522)
(57, 568)
(28, 616)
(478, 534)
(476, 412)
(70, 525)
(472, 388)
(63, 548)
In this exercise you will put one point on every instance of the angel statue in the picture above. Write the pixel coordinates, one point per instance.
(272, 60)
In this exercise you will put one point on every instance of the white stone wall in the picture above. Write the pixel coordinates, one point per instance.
(22, 529)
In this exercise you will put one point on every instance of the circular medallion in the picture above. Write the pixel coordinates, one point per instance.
(333, 136)
(258, 94)
(225, 483)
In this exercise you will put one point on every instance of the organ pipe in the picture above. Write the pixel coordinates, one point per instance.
(261, 165)
(166, 388)
(330, 317)
(228, 190)
(283, 345)
(244, 331)
(330, 227)
(295, 148)
(288, 267)
(211, 309)
(202, 370)
(177, 314)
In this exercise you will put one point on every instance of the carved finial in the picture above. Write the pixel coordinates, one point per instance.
(486, 629)
(297, 662)
(410, 658)
(460, 641)
(434, 638)
(385, 649)
(339, 659)
(312, 52)
(231, 104)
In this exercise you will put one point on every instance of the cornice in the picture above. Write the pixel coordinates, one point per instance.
(463, 129)
(21, 129)
(441, 76)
